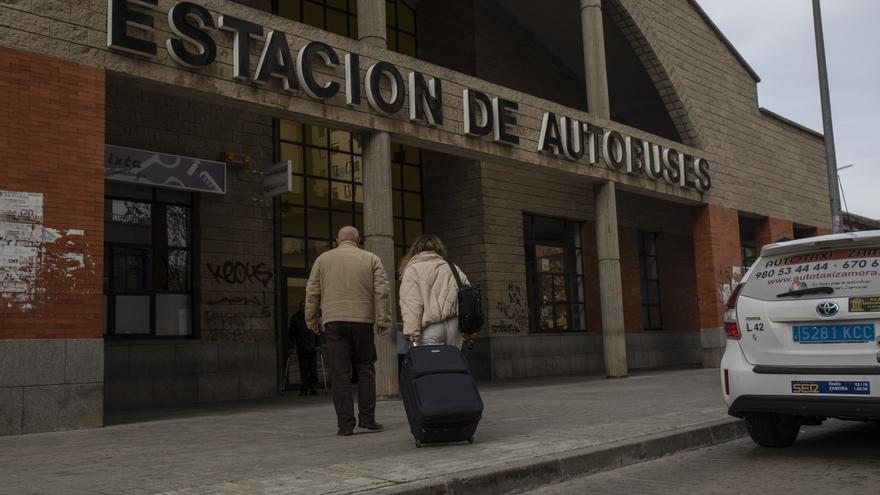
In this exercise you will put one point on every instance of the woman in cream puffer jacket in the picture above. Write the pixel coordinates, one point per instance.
(429, 294)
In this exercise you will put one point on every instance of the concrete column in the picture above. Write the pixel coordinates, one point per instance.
(371, 22)
(378, 214)
(379, 239)
(594, 58)
(610, 290)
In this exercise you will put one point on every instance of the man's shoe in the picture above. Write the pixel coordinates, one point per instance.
(345, 432)
(371, 426)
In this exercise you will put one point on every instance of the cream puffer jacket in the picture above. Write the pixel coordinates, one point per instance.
(428, 293)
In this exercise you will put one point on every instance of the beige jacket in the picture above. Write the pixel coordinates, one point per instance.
(428, 293)
(348, 284)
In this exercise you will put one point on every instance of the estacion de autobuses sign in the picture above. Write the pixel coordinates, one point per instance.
(194, 47)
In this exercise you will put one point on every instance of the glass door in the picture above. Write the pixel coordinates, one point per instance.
(294, 297)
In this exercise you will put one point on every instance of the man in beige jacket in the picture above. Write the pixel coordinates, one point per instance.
(348, 284)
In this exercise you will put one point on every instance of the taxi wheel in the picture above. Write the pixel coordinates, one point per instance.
(773, 430)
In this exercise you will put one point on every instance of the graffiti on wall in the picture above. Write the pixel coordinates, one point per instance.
(35, 261)
(513, 313)
(239, 317)
(229, 326)
(247, 301)
(241, 272)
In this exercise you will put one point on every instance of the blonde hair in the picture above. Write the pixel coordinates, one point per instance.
(425, 242)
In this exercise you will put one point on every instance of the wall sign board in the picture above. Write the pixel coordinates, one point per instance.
(277, 179)
(163, 170)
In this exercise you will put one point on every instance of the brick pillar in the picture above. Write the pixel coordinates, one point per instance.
(52, 233)
(718, 260)
(771, 230)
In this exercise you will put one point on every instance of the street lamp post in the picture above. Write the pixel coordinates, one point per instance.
(830, 156)
(842, 193)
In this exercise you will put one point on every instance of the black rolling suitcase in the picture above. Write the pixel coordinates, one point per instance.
(439, 394)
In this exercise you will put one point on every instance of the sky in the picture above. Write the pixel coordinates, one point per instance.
(776, 38)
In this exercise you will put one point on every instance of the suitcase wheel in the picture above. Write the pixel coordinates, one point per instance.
(471, 440)
(418, 443)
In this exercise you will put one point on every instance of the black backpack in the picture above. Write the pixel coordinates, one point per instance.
(470, 305)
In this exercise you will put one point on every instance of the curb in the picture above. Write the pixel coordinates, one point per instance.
(525, 475)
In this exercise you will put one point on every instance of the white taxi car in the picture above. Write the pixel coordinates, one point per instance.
(802, 336)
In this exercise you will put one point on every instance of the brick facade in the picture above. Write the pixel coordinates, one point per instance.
(718, 262)
(716, 256)
(771, 230)
(52, 142)
(678, 282)
(52, 134)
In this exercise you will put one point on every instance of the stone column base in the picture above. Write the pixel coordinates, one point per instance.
(712, 344)
(51, 385)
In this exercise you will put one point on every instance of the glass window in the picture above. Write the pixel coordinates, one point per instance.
(406, 18)
(148, 262)
(340, 140)
(391, 41)
(337, 22)
(132, 268)
(342, 195)
(293, 252)
(341, 166)
(173, 314)
(318, 192)
(293, 221)
(294, 153)
(406, 200)
(339, 4)
(290, 9)
(316, 161)
(554, 274)
(340, 17)
(412, 180)
(177, 225)
(132, 315)
(319, 223)
(297, 195)
(173, 274)
(650, 280)
(406, 44)
(313, 13)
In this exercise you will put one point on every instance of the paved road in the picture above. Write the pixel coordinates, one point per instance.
(838, 457)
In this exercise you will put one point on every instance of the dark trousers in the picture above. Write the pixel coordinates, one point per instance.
(308, 371)
(349, 343)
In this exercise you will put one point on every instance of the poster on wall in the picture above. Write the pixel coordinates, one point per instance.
(163, 170)
(21, 233)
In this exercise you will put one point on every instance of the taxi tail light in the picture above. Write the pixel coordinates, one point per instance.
(730, 327)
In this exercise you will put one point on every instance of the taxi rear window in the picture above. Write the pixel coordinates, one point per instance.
(849, 272)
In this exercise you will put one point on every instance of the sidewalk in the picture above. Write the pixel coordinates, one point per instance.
(532, 431)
